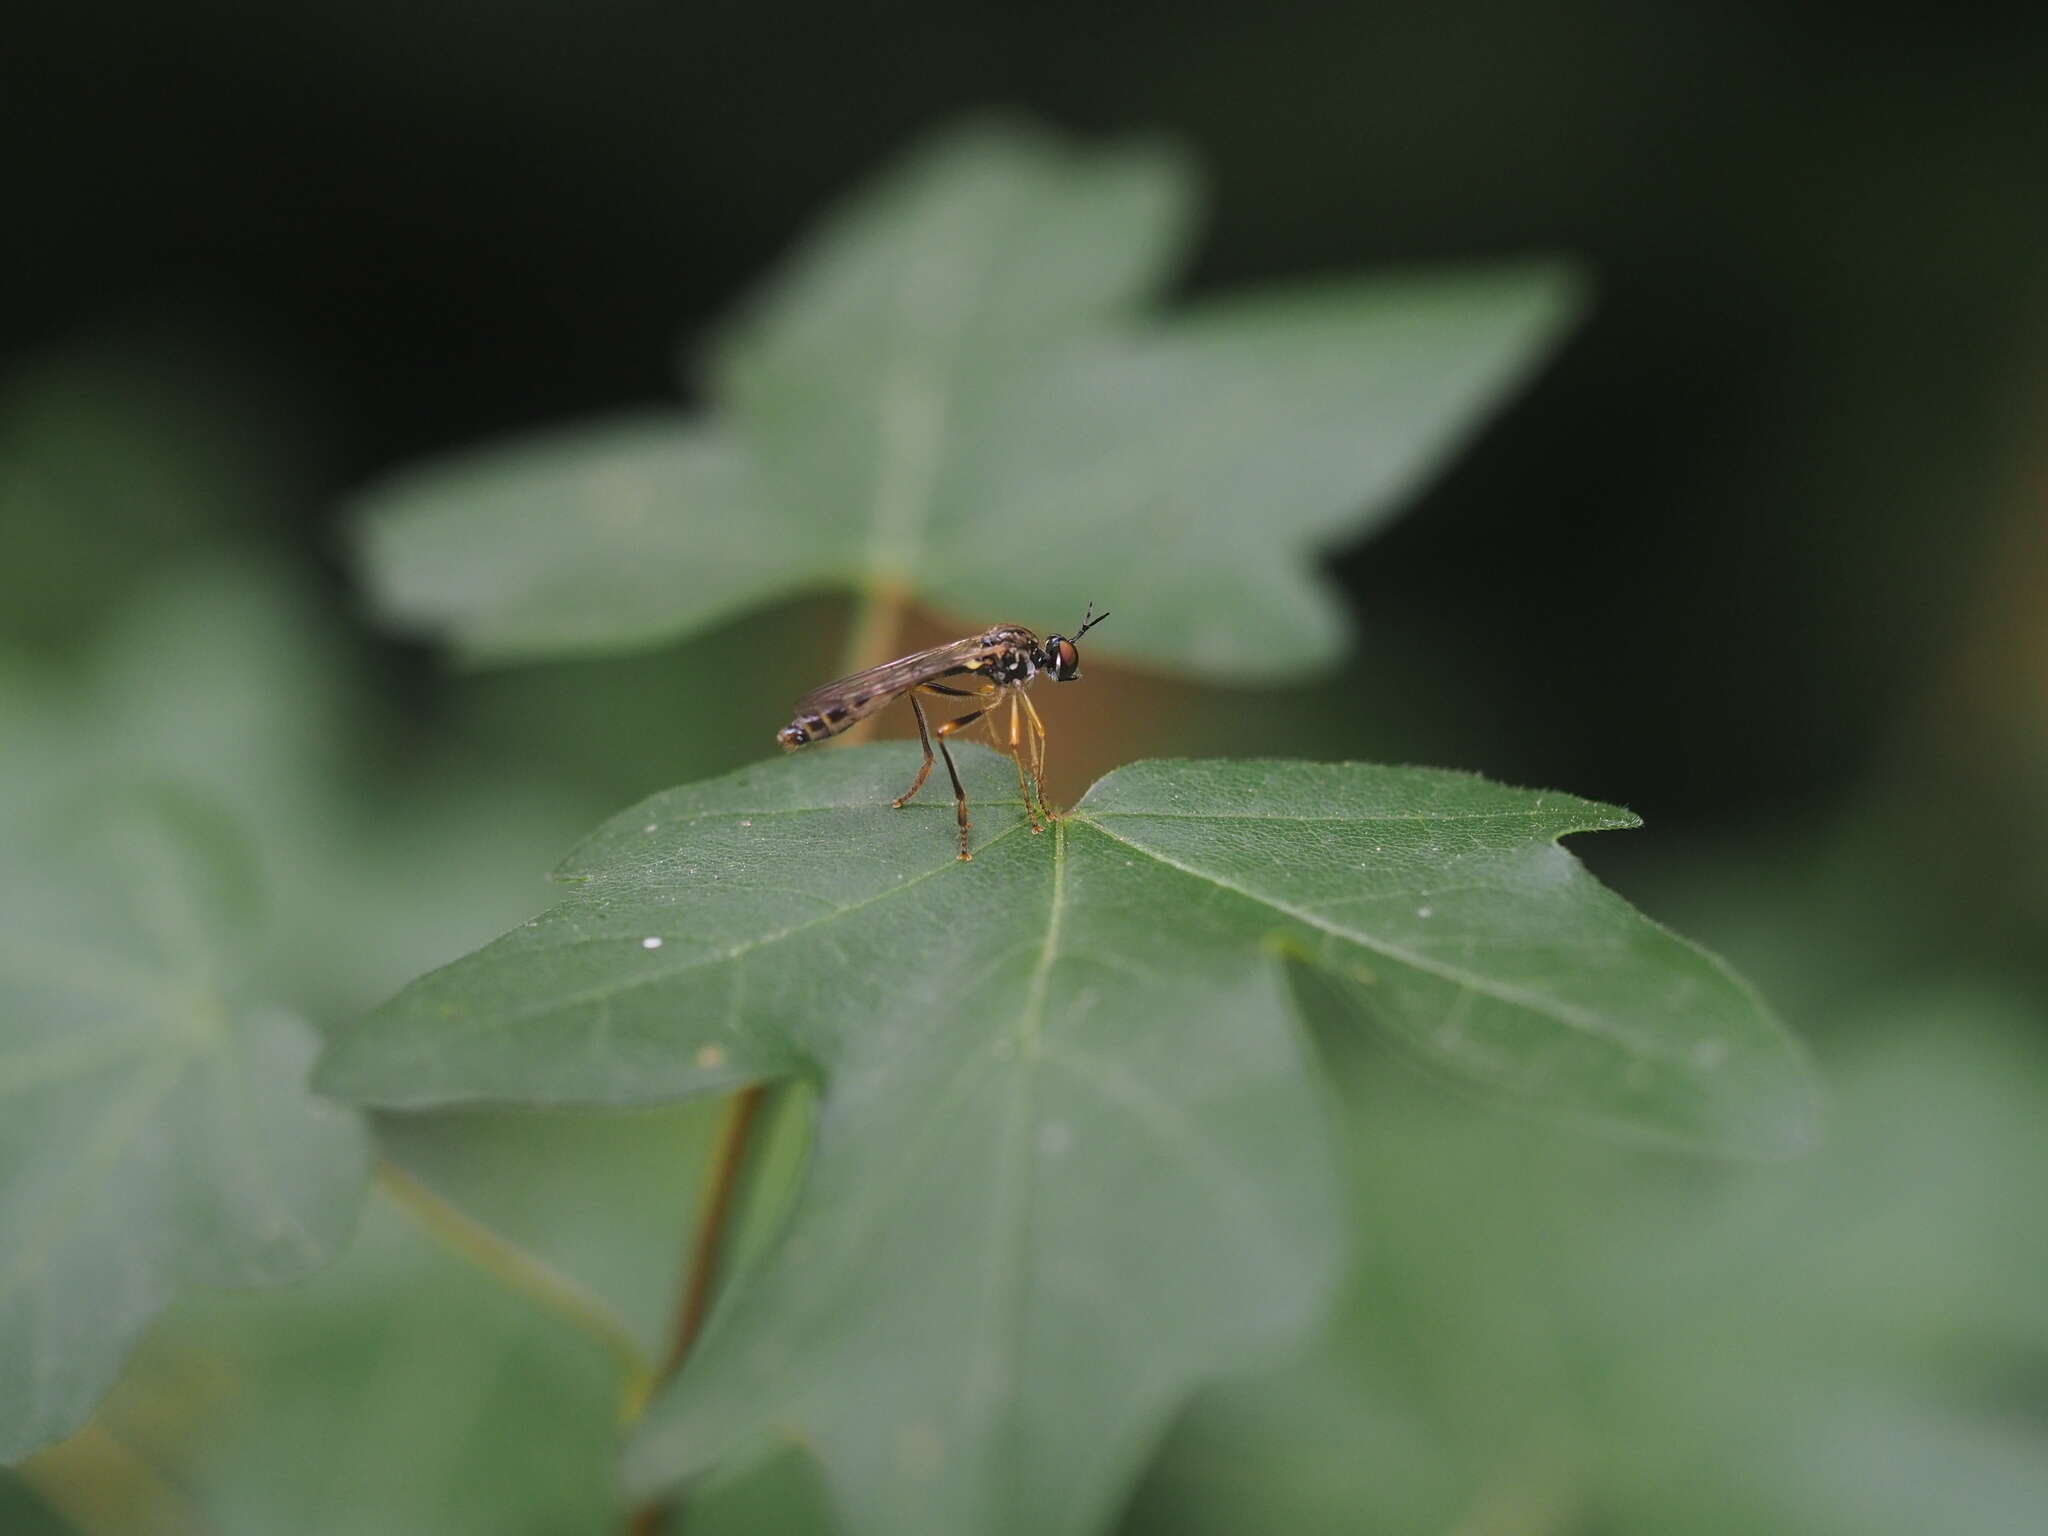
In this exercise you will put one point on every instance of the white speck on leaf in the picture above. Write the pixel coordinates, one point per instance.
(649, 827)
(650, 942)
(1425, 911)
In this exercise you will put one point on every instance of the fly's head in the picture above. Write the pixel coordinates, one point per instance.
(1060, 657)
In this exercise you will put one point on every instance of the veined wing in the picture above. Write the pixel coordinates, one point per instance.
(862, 693)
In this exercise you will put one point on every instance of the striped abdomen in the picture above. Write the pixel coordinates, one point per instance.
(815, 724)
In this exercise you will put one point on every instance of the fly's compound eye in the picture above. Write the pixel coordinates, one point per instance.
(1065, 660)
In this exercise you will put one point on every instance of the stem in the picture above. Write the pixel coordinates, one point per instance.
(721, 1179)
(465, 1236)
(877, 615)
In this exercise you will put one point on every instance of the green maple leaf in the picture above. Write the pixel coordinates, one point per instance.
(1071, 1155)
(956, 391)
(157, 1130)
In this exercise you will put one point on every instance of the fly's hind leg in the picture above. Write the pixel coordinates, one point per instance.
(959, 792)
(925, 736)
(925, 768)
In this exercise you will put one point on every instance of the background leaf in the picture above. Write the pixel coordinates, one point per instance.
(398, 1390)
(959, 364)
(1012, 1050)
(352, 859)
(158, 1130)
(624, 532)
(1595, 1341)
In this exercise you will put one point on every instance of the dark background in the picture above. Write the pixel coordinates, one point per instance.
(1702, 570)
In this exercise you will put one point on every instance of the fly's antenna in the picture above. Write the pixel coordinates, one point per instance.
(1089, 620)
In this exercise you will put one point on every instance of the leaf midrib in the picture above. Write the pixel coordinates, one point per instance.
(1005, 1298)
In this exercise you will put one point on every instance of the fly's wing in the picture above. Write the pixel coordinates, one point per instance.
(852, 698)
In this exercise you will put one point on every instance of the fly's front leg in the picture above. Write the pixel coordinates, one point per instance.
(924, 769)
(1037, 753)
(1017, 757)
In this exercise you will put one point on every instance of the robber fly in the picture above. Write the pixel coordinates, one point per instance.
(990, 669)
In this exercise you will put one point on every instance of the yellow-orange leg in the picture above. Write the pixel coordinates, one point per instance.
(1037, 753)
(1017, 757)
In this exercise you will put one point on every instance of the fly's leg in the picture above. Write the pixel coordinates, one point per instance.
(1037, 753)
(959, 792)
(1017, 757)
(925, 735)
(924, 769)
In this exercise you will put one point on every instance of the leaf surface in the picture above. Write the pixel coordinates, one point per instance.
(157, 1130)
(957, 389)
(1070, 1156)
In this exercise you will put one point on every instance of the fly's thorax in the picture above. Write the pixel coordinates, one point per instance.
(1014, 664)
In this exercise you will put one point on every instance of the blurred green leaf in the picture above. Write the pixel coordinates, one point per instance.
(1114, 1184)
(621, 727)
(779, 1494)
(376, 854)
(158, 1131)
(1854, 1345)
(121, 450)
(606, 1198)
(953, 391)
(23, 1514)
(400, 1390)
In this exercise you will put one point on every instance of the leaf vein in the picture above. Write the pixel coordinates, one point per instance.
(1582, 1019)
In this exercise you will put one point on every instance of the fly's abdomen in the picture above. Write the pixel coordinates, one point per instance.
(815, 725)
